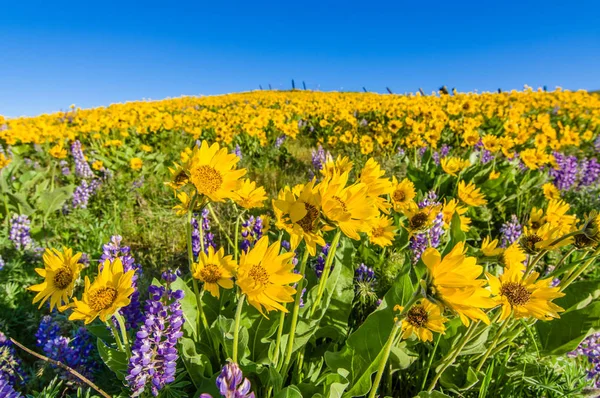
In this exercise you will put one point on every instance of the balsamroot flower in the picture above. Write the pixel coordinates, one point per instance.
(214, 269)
(470, 195)
(264, 275)
(61, 270)
(154, 354)
(382, 231)
(403, 193)
(372, 176)
(421, 319)
(455, 283)
(248, 195)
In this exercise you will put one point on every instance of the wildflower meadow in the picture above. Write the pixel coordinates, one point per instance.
(288, 244)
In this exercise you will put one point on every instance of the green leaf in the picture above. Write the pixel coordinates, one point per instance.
(289, 392)
(197, 364)
(114, 359)
(456, 234)
(49, 202)
(562, 335)
(432, 394)
(579, 294)
(189, 308)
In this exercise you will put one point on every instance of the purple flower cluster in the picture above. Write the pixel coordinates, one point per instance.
(20, 231)
(442, 153)
(232, 383)
(511, 232)
(401, 152)
(320, 266)
(6, 390)
(76, 351)
(170, 275)
(364, 274)
(154, 354)
(319, 157)
(589, 171)
(11, 371)
(590, 347)
(280, 140)
(209, 237)
(113, 250)
(82, 168)
(83, 192)
(565, 175)
(238, 151)
(419, 242)
(64, 168)
(252, 230)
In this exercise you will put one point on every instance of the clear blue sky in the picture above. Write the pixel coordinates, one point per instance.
(54, 54)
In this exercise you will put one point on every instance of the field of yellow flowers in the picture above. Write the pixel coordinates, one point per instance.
(303, 244)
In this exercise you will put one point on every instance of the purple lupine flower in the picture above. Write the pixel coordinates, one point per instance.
(11, 368)
(6, 390)
(421, 241)
(320, 266)
(196, 246)
(565, 175)
(64, 168)
(252, 231)
(232, 383)
(364, 274)
(83, 192)
(2, 263)
(511, 232)
(154, 354)
(597, 144)
(589, 171)
(111, 251)
(486, 156)
(590, 347)
(170, 275)
(442, 153)
(280, 140)
(20, 231)
(209, 237)
(286, 245)
(319, 157)
(422, 150)
(137, 184)
(82, 167)
(401, 152)
(238, 151)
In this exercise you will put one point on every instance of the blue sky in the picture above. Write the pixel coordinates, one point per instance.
(56, 54)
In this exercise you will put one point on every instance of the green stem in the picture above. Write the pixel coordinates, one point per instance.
(531, 264)
(450, 360)
(383, 361)
(116, 334)
(437, 342)
(52, 178)
(278, 340)
(564, 258)
(236, 331)
(236, 236)
(121, 322)
(220, 226)
(493, 343)
(326, 271)
(295, 311)
(580, 271)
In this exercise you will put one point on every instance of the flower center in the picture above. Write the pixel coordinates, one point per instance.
(308, 221)
(210, 273)
(377, 232)
(398, 196)
(63, 278)
(535, 225)
(181, 178)
(341, 203)
(418, 221)
(528, 242)
(515, 293)
(582, 241)
(101, 299)
(207, 179)
(417, 316)
(259, 274)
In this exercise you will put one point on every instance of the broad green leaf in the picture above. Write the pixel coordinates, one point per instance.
(432, 394)
(114, 359)
(289, 392)
(189, 308)
(197, 364)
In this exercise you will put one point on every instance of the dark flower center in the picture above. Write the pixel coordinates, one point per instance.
(259, 274)
(418, 221)
(399, 195)
(417, 316)
(63, 278)
(207, 179)
(528, 242)
(103, 298)
(308, 221)
(210, 273)
(515, 293)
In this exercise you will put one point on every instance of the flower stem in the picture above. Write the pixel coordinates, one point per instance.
(432, 355)
(531, 264)
(236, 331)
(493, 343)
(326, 271)
(290, 343)
(383, 361)
(450, 360)
(278, 341)
(62, 365)
(225, 234)
(116, 335)
(580, 271)
(121, 322)
(236, 236)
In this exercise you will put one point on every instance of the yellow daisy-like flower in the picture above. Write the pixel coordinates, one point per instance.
(536, 219)
(453, 166)
(264, 275)
(98, 165)
(470, 194)
(421, 319)
(4, 161)
(185, 201)
(544, 238)
(556, 215)
(513, 255)
(212, 171)
(110, 291)
(249, 196)
(403, 193)
(455, 283)
(382, 231)
(339, 166)
(180, 177)
(136, 163)
(350, 208)
(524, 298)
(489, 247)
(494, 175)
(58, 152)
(300, 216)
(450, 207)
(420, 220)
(146, 148)
(214, 269)
(371, 175)
(61, 270)
(550, 191)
